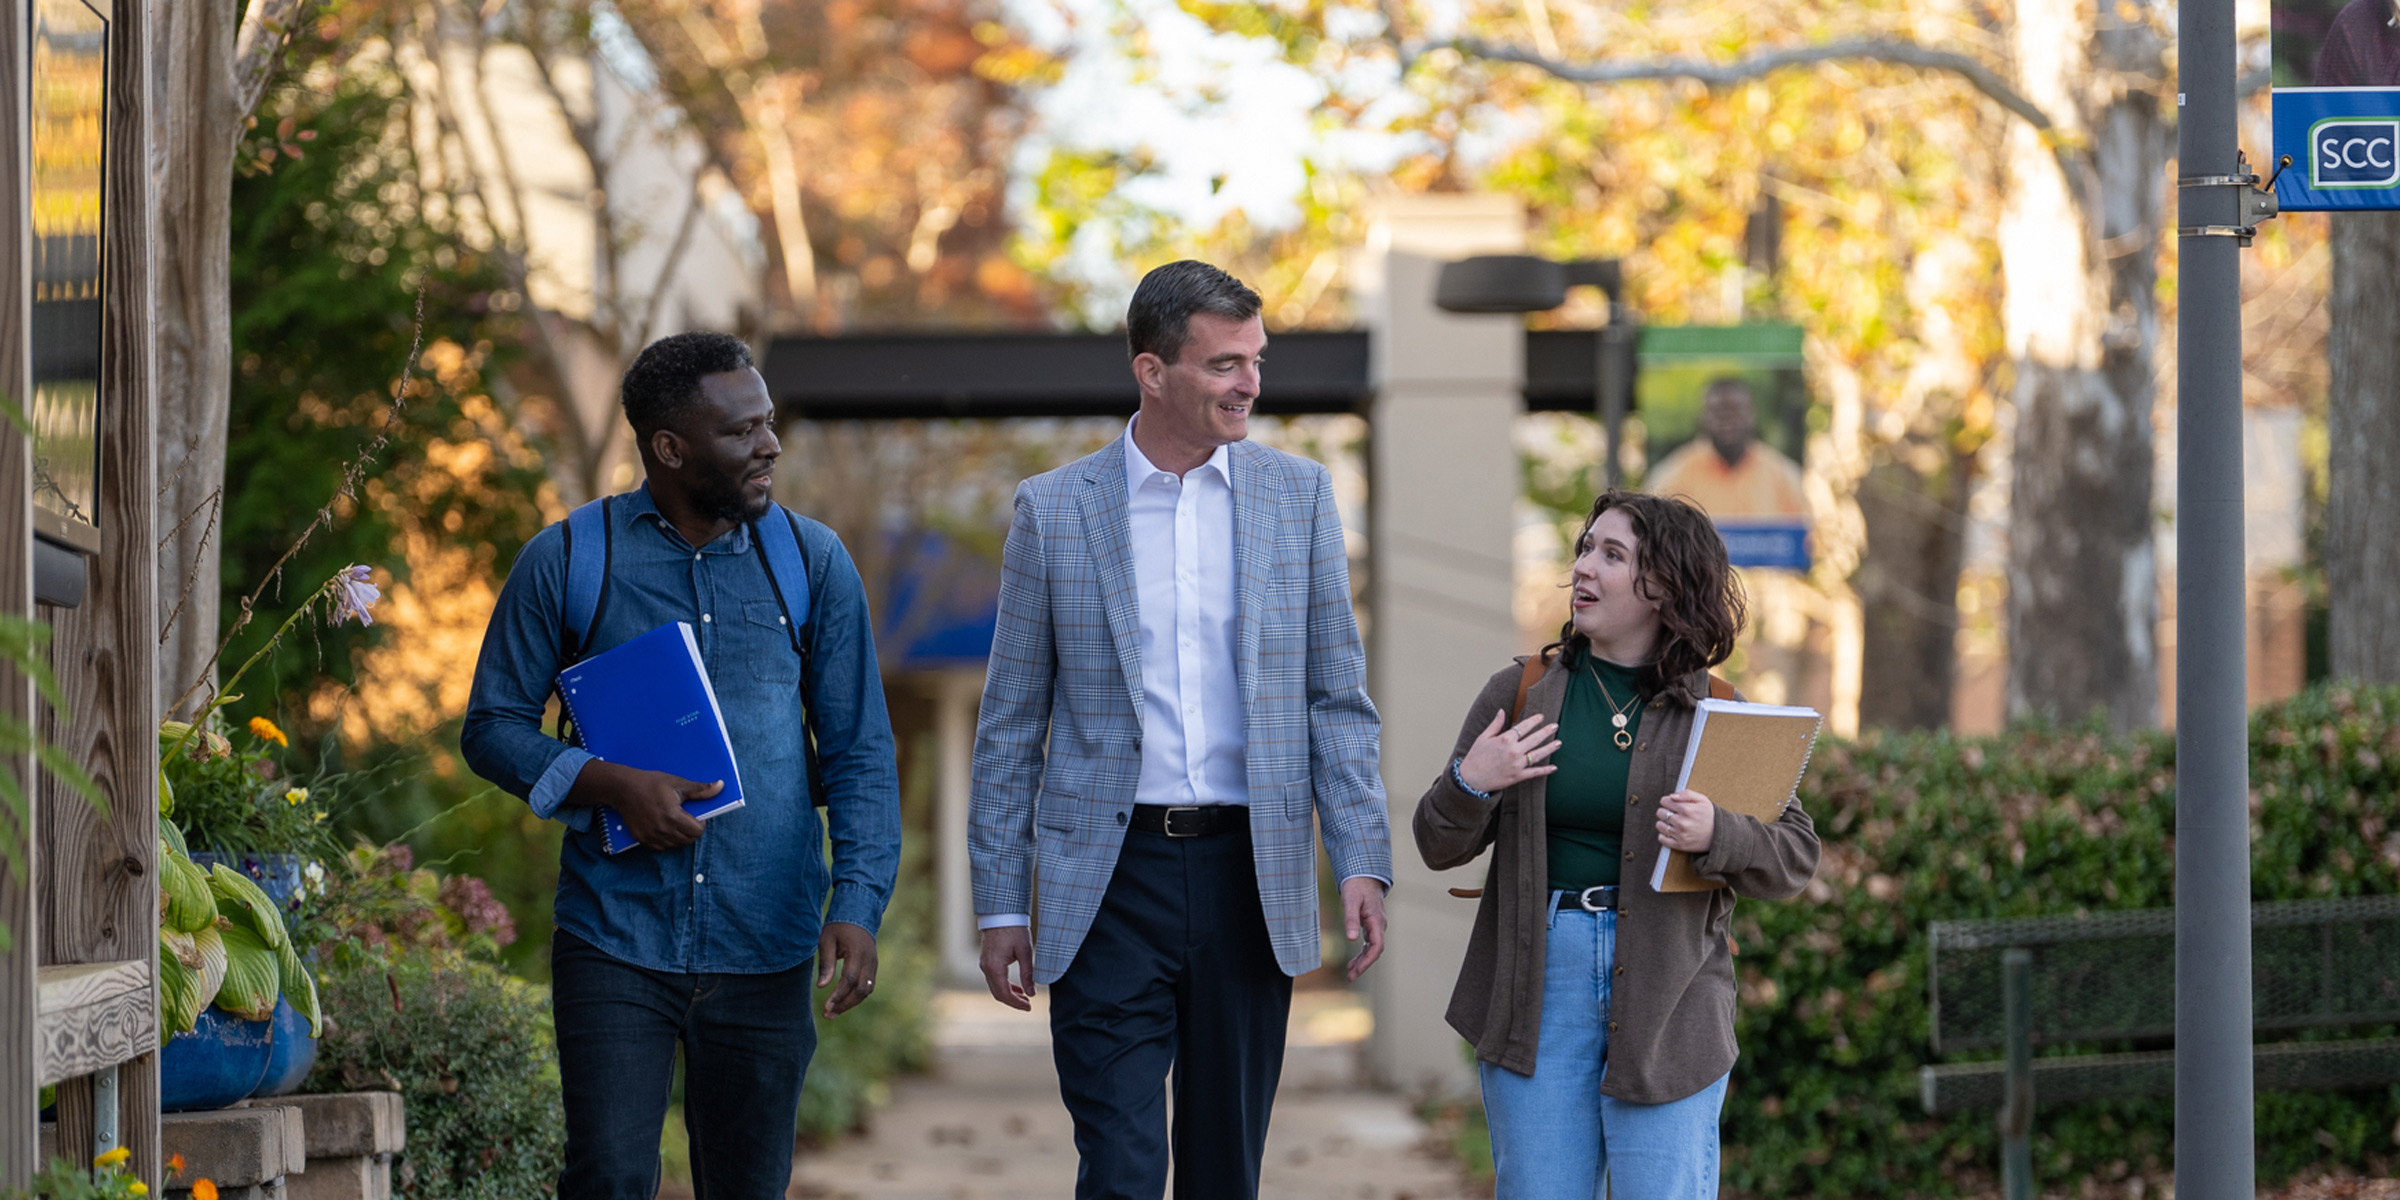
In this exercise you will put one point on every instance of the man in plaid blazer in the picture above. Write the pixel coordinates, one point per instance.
(1176, 704)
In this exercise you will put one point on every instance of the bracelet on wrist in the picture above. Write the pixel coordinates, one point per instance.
(1463, 785)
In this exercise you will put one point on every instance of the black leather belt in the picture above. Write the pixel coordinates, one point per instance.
(1591, 899)
(1191, 820)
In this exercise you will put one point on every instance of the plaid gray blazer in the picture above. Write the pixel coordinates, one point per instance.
(1058, 741)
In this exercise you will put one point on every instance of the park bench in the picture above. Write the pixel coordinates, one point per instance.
(2020, 984)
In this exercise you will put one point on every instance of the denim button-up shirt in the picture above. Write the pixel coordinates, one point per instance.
(747, 897)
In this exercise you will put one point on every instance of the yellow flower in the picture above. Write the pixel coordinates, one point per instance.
(138, 1188)
(320, 817)
(267, 732)
(113, 1157)
(294, 796)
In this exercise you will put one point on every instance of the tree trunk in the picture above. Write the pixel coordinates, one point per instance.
(2080, 257)
(2362, 553)
(1908, 589)
(193, 131)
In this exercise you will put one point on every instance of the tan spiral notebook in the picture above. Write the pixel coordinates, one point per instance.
(1747, 758)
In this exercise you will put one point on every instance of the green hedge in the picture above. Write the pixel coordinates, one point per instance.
(2042, 820)
(468, 1048)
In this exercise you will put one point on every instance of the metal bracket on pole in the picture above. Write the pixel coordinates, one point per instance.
(2258, 200)
(104, 1111)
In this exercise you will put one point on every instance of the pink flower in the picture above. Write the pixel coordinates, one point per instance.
(482, 912)
(353, 597)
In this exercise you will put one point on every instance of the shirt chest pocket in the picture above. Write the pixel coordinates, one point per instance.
(767, 643)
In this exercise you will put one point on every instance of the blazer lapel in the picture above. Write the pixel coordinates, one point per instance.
(1108, 530)
(1257, 485)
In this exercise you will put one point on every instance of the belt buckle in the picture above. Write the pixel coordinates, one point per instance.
(1585, 898)
(1168, 825)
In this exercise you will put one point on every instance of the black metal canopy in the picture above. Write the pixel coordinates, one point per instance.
(901, 376)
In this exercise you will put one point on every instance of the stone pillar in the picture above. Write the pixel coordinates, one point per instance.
(1443, 491)
(957, 695)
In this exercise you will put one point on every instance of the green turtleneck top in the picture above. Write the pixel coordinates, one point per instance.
(1585, 802)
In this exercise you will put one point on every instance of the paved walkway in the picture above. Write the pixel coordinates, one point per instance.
(986, 1123)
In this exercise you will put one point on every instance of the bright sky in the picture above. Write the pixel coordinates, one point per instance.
(1228, 124)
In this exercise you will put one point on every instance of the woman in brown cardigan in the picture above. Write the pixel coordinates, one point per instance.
(1626, 994)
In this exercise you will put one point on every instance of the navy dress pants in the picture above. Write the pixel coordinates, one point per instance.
(746, 1043)
(1176, 975)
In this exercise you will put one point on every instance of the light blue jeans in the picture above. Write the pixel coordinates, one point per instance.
(1553, 1134)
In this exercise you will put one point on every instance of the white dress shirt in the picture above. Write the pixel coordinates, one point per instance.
(1195, 749)
(1194, 746)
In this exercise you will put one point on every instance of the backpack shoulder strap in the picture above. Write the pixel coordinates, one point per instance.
(1534, 667)
(777, 536)
(1718, 689)
(589, 545)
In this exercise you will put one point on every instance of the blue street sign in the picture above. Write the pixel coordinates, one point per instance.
(2344, 144)
(1782, 544)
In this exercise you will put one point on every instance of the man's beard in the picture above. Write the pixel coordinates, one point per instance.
(721, 498)
(1731, 449)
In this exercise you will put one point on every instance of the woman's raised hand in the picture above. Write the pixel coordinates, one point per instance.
(1507, 757)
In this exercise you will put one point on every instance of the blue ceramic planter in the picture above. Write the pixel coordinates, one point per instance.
(292, 1054)
(203, 1071)
(218, 1062)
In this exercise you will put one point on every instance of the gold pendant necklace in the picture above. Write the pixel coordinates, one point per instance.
(1616, 715)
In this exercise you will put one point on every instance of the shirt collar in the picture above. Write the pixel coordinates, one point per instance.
(1139, 468)
(639, 503)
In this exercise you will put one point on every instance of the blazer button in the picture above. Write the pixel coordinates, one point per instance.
(1620, 968)
(1120, 816)
(1612, 1026)
(1629, 856)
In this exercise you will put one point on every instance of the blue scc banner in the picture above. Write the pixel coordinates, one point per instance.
(2344, 143)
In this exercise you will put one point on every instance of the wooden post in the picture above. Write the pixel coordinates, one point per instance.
(98, 883)
(19, 1082)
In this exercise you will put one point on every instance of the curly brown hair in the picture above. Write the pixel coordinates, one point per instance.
(1682, 564)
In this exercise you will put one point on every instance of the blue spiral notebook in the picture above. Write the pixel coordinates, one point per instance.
(648, 704)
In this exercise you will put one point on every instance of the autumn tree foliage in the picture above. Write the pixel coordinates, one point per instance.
(872, 137)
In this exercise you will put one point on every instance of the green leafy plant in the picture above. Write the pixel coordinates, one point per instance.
(418, 1006)
(222, 941)
(107, 1179)
(231, 795)
(468, 1048)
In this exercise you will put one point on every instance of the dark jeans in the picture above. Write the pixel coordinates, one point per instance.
(746, 1042)
(1178, 972)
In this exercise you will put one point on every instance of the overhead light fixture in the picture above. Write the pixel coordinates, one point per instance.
(1524, 283)
(1520, 283)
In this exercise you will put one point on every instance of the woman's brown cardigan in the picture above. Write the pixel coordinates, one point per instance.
(1670, 1027)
